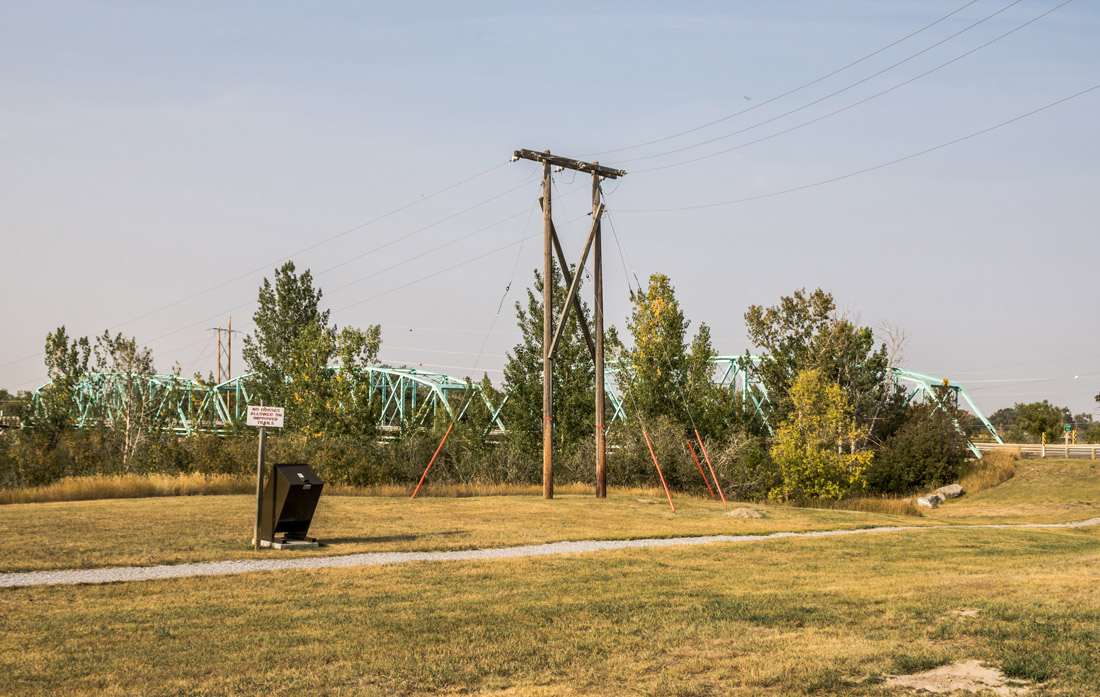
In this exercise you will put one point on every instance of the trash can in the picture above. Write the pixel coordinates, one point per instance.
(290, 498)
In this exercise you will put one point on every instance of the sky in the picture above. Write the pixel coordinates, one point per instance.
(159, 160)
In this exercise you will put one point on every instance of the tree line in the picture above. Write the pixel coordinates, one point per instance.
(837, 423)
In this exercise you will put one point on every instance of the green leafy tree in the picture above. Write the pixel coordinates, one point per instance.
(803, 332)
(660, 374)
(316, 372)
(14, 404)
(1026, 423)
(574, 375)
(816, 447)
(1039, 418)
(66, 365)
(287, 308)
(131, 402)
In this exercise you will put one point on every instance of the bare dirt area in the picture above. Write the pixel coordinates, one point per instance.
(965, 676)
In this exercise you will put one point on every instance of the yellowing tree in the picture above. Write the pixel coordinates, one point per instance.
(815, 447)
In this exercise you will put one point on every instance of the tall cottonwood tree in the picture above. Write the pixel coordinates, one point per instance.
(67, 362)
(574, 374)
(661, 374)
(131, 401)
(804, 332)
(315, 371)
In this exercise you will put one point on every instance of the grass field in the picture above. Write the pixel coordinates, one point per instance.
(788, 616)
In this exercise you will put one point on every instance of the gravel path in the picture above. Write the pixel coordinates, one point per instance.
(220, 568)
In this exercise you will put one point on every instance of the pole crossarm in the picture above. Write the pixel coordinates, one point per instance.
(568, 163)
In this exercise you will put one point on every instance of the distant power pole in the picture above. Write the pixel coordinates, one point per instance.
(226, 351)
(551, 337)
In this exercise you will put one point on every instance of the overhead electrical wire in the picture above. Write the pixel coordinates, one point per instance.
(850, 106)
(856, 84)
(425, 253)
(317, 244)
(507, 288)
(811, 83)
(409, 235)
(865, 170)
(406, 236)
(285, 258)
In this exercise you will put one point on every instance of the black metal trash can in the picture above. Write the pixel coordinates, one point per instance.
(290, 498)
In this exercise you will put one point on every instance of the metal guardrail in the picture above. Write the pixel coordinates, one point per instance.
(1038, 450)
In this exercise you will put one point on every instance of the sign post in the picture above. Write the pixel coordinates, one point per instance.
(265, 417)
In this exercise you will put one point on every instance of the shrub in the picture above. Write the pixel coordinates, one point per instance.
(927, 451)
(746, 470)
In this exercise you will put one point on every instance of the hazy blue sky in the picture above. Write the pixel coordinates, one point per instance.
(152, 151)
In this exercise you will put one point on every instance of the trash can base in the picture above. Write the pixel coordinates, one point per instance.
(289, 544)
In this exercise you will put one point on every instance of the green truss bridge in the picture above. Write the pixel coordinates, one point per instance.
(412, 398)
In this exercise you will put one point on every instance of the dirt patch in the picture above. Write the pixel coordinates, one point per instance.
(745, 513)
(965, 612)
(970, 676)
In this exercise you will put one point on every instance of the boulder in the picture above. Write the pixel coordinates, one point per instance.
(930, 501)
(950, 491)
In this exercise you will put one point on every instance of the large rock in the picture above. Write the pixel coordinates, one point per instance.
(950, 491)
(930, 501)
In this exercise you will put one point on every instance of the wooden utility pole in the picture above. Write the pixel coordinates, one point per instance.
(551, 338)
(547, 336)
(597, 283)
(226, 351)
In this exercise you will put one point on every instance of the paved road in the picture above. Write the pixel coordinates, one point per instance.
(221, 568)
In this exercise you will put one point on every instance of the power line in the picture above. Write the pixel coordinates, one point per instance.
(315, 245)
(406, 236)
(425, 253)
(849, 175)
(854, 84)
(846, 108)
(792, 91)
(282, 259)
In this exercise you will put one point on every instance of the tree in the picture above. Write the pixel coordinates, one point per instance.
(660, 375)
(816, 445)
(574, 375)
(287, 308)
(316, 372)
(1022, 423)
(131, 401)
(66, 365)
(803, 332)
(926, 451)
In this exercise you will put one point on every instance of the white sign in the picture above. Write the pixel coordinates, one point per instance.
(271, 417)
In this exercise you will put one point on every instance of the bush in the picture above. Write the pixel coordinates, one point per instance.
(746, 470)
(926, 452)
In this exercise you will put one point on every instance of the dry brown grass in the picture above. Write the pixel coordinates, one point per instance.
(458, 491)
(994, 468)
(136, 486)
(793, 617)
(129, 486)
(874, 504)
